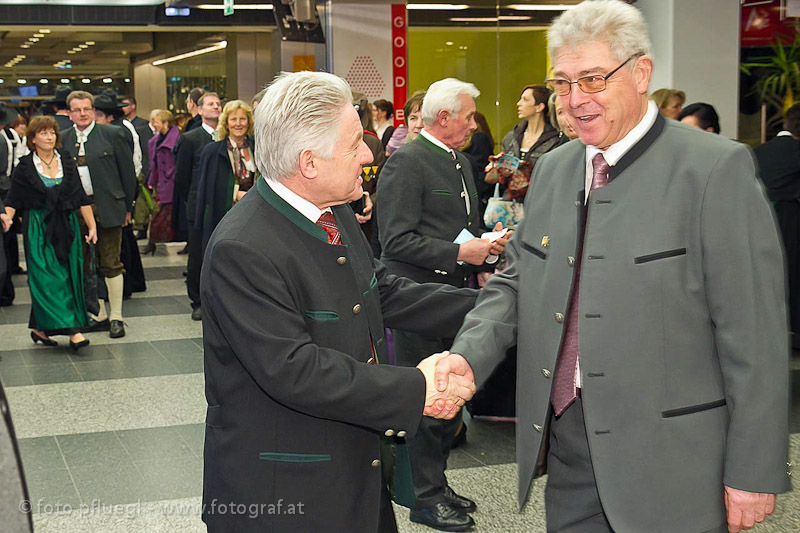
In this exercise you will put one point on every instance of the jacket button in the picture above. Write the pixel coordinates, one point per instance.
(389, 433)
(376, 463)
(356, 309)
(341, 260)
(3, 408)
(571, 261)
(401, 434)
(443, 273)
(559, 317)
(546, 373)
(437, 271)
(537, 427)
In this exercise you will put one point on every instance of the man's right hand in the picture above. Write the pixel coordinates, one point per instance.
(444, 400)
(474, 251)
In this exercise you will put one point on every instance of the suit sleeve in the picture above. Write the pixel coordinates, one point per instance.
(202, 193)
(184, 152)
(124, 157)
(277, 350)
(401, 193)
(743, 265)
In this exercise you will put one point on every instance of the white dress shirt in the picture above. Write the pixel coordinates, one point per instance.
(452, 153)
(208, 129)
(40, 166)
(300, 204)
(83, 171)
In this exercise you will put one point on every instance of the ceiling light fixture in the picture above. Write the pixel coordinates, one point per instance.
(86, 80)
(236, 7)
(34, 40)
(127, 80)
(26, 46)
(64, 80)
(83, 46)
(90, 43)
(490, 19)
(2, 80)
(22, 82)
(107, 80)
(541, 7)
(438, 7)
(44, 31)
(39, 35)
(219, 46)
(44, 81)
(70, 51)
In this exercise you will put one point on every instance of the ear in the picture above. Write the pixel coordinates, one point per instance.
(443, 117)
(306, 163)
(642, 73)
(540, 107)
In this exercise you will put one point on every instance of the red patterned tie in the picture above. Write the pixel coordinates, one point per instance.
(564, 391)
(328, 223)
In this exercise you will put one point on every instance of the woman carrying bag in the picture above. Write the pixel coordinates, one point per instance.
(46, 188)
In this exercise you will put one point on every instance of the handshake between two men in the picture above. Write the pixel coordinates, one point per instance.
(449, 384)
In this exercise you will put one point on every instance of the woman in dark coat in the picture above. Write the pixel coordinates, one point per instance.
(162, 177)
(227, 167)
(46, 188)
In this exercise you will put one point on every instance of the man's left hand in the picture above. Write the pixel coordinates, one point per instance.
(367, 216)
(747, 508)
(127, 219)
(500, 244)
(6, 222)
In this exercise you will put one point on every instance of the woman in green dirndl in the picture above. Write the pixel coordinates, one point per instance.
(47, 189)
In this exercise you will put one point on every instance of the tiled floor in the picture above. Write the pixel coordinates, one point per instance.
(112, 437)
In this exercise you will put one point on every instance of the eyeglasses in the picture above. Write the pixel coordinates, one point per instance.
(587, 84)
(84, 110)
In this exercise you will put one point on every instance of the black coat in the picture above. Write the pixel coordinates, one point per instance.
(187, 167)
(145, 134)
(295, 412)
(110, 162)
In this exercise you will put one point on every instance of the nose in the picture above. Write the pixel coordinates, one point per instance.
(365, 153)
(576, 97)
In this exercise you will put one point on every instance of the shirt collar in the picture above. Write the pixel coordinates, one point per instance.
(208, 129)
(784, 133)
(615, 152)
(436, 141)
(88, 129)
(303, 206)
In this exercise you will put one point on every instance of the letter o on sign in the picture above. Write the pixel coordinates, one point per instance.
(399, 22)
(399, 62)
(399, 41)
(399, 81)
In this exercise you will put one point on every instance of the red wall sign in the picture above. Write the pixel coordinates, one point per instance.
(762, 24)
(399, 60)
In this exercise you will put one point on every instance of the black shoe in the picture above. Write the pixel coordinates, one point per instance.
(443, 517)
(47, 342)
(197, 314)
(185, 273)
(140, 235)
(18, 271)
(149, 249)
(94, 325)
(184, 251)
(460, 438)
(116, 330)
(75, 346)
(465, 505)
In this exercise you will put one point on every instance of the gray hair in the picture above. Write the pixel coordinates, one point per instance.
(551, 107)
(614, 22)
(442, 95)
(300, 111)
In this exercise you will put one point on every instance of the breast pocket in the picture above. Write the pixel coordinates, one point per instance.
(530, 248)
(658, 256)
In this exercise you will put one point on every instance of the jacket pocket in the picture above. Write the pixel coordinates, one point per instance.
(441, 192)
(294, 457)
(659, 255)
(535, 251)
(693, 409)
(322, 316)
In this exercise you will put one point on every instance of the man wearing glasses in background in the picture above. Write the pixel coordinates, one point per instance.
(645, 292)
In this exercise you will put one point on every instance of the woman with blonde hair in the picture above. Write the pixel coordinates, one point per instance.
(162, 177)
(227, 167)
(669, 101)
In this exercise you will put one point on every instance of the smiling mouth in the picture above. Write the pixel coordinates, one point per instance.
(585, 119)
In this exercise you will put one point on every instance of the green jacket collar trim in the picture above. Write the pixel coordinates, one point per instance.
(436, 149)
(289, 212)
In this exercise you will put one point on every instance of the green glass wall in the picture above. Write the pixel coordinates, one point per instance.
(499, 61)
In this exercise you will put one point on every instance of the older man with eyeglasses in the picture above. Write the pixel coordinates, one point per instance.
(645, 292)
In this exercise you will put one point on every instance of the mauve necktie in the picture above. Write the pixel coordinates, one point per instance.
(564, 391)
(328, 223)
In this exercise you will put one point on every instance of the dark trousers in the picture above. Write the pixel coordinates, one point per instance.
(386, 520)
(194, 265)
(571, 500)
(7, 292)
(430, 447)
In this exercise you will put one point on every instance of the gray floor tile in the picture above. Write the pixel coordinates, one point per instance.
(153, 364)
(154, 443)
(131, 350)
(194, 435)
(45, 355)
(51, 488)
(110, 483)
(40, 453)
(11, 358)
(15, 376)
(177, 477)
(84, 449)
(91, 353)
(53, 373)
(96, 370)
(187, 364)
(459, 459)
(176, 348)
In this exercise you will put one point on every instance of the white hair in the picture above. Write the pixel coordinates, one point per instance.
(442, 95)
(614, 22)
(299, 111)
